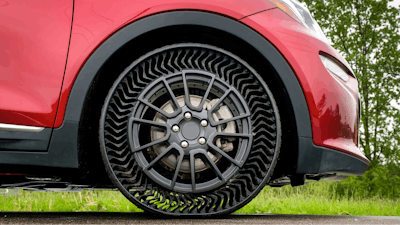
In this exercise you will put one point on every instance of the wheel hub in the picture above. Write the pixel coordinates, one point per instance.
(190, 130)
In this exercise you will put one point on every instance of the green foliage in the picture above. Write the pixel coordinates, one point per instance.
(379, 181)
(367, 33)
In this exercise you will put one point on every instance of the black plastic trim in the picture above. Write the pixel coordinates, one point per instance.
(318, 160)
(25, 141)
(62, 151)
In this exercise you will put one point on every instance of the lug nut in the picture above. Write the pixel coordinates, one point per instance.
(184, 144)
(204, 123)
(202, 141)
(188, 115)
(175, 128)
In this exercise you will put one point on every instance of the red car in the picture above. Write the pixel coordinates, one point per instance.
(188, 107)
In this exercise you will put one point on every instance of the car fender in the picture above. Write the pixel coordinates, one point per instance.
(63, 147)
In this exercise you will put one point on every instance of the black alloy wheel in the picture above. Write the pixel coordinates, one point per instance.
(190, 129)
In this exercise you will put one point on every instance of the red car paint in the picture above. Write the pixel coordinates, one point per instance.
(331, 101)
(33, 85)
(95, 21)
(34, 38)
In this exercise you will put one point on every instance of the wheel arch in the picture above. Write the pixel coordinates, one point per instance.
(94, 76)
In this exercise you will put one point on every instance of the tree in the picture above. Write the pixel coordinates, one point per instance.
(367, 34)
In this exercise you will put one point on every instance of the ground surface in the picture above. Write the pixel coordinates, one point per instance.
(143, 218)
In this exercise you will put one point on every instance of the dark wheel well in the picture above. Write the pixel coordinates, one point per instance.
(90, 161)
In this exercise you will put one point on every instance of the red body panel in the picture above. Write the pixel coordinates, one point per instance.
(333, 103)
(95, 21)
(34, 38)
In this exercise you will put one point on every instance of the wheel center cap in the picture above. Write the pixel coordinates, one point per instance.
(190, 130)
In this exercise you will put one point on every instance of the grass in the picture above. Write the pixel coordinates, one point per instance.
(104, 201)
(314, 198)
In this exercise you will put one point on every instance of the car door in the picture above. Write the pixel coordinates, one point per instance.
(34, 39)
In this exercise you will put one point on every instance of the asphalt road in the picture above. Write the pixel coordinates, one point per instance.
(143, 218)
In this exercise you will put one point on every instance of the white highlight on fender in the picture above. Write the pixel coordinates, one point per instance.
(19, 128)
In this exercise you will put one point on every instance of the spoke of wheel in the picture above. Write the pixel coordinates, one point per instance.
(173, 97)
(144, 101)
(178, 166)
(187, 95)
(224, 154)
(133, 120)
(186, 89)
(219, 101)
(192, 171)
(212, 164)
(230, 119)
(149, 122)
(166, 151)
(230, 135)
(150, 144)
(207, 92)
